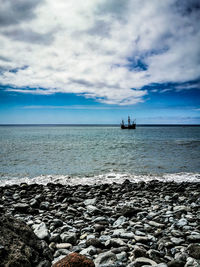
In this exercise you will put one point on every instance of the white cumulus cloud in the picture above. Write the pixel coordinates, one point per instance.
(103, 49)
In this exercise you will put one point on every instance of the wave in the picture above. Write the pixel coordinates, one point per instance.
(107, 178)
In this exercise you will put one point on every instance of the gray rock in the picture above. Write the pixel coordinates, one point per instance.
(177, 241)
(44, 205)
(69, 237)
(119, 221)
(191, 263)
(105, 258)
(41, 231)
(90, 201)
(122, 257)
(115, 242)
(139, 252)
(139, 262)
(93, 210)
(180, 208)
(91, 250)
(193, 238)
(63, 246)
(182, 222)
(155, 224)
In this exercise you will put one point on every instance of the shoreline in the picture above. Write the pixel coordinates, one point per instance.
(156, 221)
(104, 178)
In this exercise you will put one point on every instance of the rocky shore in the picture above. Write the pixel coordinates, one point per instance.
(129, 224)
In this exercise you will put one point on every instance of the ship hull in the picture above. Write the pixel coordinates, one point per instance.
(133, 126)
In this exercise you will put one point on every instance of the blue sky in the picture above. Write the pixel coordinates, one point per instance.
(99, 61)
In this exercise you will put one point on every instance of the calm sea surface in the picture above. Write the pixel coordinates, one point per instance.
(103, 152)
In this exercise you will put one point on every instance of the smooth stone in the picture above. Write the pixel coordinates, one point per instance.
(127, 235)
(69, 237)
(139, 252)
(115, 242)
(61, 251)
(104, 238)
(155, 224)
(193, 238)
(63, 246)
(90, 201)
(192, 262)
(91, 250)
(41, 231)
(143, 261)
(94, 242)
(105, 258)
(122, 257)
(44, 205)
(119, 221)
(180, 208)
(142, 239)
(182, 222)
(177, 241)
(92, 209)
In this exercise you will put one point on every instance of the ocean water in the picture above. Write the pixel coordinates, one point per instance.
(98, 154)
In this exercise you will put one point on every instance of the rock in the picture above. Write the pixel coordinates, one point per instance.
(115, 242)
(194, 251)
(182, 222)
(180, 208)
(89, 251)
(20, 246)
(139, 262)
(176, 263)
(155, 224)
(94, 242)
(74, 260)
(128, 211)
(141, 239)
(93, 210)
(44, 205)
(193, 238)
(177, 241)
(63, 246)
(107, 258)
(69, 237)
(122, 257)
(99, 227)
(21, 207)
(41, 231)
(191, 263)
(139, 252)
(90, 201)
(119, 221)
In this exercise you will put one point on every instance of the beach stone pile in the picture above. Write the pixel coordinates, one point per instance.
(114, 225)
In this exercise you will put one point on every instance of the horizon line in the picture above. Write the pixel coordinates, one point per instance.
(99, 124)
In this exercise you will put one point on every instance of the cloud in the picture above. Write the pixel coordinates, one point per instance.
(14, 12)
(107, 50)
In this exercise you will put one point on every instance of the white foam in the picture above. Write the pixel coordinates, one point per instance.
(103, 178)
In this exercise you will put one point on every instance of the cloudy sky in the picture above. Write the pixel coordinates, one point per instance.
(96, 61)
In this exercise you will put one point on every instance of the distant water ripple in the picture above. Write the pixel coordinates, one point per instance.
(83, 152)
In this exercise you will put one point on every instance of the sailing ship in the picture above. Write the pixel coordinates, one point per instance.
(131, 125)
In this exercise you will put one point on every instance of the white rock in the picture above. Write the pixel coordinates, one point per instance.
(41, 231)
(90, 201)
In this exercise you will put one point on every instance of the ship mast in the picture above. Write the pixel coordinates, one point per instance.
(129, 121)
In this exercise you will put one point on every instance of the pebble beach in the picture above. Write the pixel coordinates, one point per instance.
(128, 224)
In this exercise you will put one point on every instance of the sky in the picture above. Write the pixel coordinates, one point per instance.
(98, 61)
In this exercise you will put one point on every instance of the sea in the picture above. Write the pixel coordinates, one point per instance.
(80, 154)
